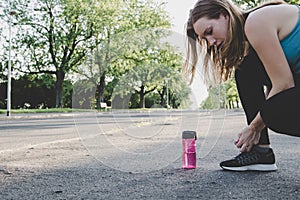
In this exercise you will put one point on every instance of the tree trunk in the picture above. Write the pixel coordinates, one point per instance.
(237, 104)
(100, 90)
(162, 99)
(230, 104)
(60, 76)
(142, 97)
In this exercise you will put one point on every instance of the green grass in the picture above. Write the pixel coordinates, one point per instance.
(50, 110)
(68, 110)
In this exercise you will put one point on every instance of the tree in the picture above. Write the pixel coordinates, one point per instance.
(224, 95)
(131, 43)
(56, 35)
(248, 3)
(97, 66)
(232, 97)
(252, 3)
(150, 23)
(2, 69)
(153, 62)
(293, 1)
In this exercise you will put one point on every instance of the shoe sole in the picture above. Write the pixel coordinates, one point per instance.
(257, 167)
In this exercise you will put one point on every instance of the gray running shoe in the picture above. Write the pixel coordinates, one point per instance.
(258, 159)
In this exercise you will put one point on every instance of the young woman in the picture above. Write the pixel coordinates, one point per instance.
(262, 48)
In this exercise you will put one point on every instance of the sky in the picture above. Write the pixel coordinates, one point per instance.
(179, 12)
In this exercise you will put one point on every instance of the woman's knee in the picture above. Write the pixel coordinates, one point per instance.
(280, 120)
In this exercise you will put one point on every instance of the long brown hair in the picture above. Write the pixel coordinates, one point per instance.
(218, 64)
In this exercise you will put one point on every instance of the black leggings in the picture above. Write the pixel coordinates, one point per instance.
(280, 113)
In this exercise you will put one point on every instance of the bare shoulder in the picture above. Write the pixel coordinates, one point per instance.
(279, 18)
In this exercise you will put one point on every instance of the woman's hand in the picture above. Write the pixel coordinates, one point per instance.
(247, 138)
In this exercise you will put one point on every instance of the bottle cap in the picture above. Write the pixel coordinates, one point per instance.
(189, 135)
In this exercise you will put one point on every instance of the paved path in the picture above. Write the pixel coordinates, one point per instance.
(135, 155)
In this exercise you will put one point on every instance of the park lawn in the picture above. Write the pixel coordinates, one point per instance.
(50, 110)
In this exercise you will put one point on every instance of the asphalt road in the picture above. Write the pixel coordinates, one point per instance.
(135, 155)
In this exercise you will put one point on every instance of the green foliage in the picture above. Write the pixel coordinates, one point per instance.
(293, 1)
(153, 62)
(55, 36)
(83, 94)
(215, 99)
(222, 96)
(247, 4)
(232, 97)
(103, 40)
(2, 69)
(30, 90)
(132, 54)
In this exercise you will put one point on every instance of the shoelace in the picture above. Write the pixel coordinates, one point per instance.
(246, 158)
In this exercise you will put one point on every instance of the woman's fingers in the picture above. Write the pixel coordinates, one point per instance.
(244, 148)
(236, 141)
(240, 141)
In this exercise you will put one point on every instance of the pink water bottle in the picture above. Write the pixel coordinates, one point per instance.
(189, 149)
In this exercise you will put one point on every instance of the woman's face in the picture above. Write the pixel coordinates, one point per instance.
(213, 30)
